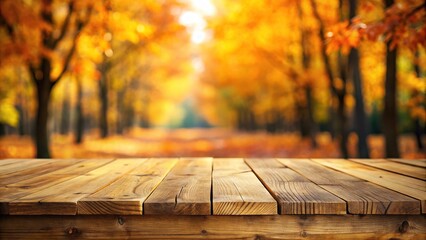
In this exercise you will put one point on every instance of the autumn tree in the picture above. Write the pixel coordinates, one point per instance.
(37, 32)
(401, 26)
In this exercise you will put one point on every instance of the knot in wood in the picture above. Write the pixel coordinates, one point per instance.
(404, 227)
(303, 234)
(73, 231)
(120, 220)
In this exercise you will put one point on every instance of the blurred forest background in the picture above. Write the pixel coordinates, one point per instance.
(220, 78)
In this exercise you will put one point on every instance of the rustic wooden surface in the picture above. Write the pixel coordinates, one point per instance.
(409, 186)
(207, 186)
(295, 193)
(237, 191)
(127, 194)
(153, 198)
(214, 227)
(184, 191)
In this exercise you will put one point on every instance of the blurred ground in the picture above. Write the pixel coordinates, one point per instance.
(195, 143)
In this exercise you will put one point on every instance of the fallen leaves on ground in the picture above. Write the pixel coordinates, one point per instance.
(198, 143)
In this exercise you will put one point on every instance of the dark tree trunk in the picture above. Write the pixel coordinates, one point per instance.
(79, 124)
(21, 122)
(43, 96)
(336, 91)
(417, 122)
(2, 129)
(342, 127)
(103, 97)
(390, 109)
(308, 111)
(65, 116)
(311, 121)
(120, 111)
(355, 74)
(331, 123)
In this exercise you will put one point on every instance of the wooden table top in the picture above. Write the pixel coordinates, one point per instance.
(207, 186)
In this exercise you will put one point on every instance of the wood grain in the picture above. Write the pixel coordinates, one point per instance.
(361, 197)
(19, 165)
(400, 168)
(27, 172)
(213, 227)
(318, 173)
(61, 199)
(412, 162)
(411, 187)
(237, 191)
(184, 191)
(127, 194)
(296, 194)
(29, 186)
(367, 198)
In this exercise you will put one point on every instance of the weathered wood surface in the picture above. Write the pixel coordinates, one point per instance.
(61, 199)
(203, 186)
(237, 191)
(296, 194)
(25, 170)
(184, 191)
(408, 170)
(361, 197)
(214, 227)
(26, 187)
(412, 187)
(127, 194)
(416, 162)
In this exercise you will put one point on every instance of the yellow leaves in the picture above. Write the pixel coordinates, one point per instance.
(8, 114)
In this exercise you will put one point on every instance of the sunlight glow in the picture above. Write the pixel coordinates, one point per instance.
(204, 6)
(194, 19)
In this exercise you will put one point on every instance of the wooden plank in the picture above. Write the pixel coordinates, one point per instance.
(361, 197)
(296, 194)
(61, 199)
(237, 191)
(26, 187)
(126, 195)
(22, 164)
(412, 162)
(367, 198)
(317, 173)
(29, 172)
(400, 168)
(4, 162)
(184, 191)
(264, 163)
(213, 227)
(409, 186)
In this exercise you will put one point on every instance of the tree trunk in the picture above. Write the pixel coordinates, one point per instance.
(335, 90)
(103, 96)
(121, 111)
(390, 110)
(79, 124)
(355, 74)
(342, 126)
(43, 96)
(417, 122)
(65, 116)
(311, 121)
(308, 116)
